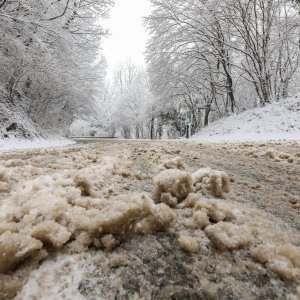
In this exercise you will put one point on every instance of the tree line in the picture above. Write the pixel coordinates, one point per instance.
(51, 64)
(205, 58)
(217, 57)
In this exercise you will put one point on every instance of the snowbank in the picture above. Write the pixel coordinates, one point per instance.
(276, 121)
(18, 144)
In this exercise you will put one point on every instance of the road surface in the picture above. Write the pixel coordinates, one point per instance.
(246, 240)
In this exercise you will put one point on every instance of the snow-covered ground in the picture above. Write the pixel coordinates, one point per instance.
(140, 220)
(18, 144)
(274, 122)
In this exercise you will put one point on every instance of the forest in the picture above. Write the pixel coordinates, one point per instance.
(205, 58)
(51, 66)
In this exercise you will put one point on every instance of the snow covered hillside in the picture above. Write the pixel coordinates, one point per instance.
(276, 121)
(18, 131)
(14, 122)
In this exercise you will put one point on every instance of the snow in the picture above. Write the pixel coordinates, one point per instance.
(188, 243)
(172, 185)
(37, 143)
(64, 211)
(66, 274)
(217, 182)
(227, 236)
(274, 122)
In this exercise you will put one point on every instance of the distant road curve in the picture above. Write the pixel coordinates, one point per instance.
(92, 137)
(87, 139)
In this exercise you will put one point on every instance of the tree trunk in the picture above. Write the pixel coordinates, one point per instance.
(137, 132)
(206, 114)
(152, 129)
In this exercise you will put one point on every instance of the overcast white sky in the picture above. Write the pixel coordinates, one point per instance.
(128, 35)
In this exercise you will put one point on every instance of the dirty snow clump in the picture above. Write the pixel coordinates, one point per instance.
(200, 174)
(217, 182)
(51, 233)
(171, 184)
(199, 220)
(160, 219)
(228, 236)
(218, 211)
(175, 163)
(188, 243)
(15, 248)
(282, 260)
(52, 217)
(190, 201)
(4, 180)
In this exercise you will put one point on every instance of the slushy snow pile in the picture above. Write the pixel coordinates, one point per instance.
(66, 201)
(275, 121)
(53, 210)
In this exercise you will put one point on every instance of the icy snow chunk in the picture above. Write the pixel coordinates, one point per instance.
(4, 177)
(168, 199)
(227, 236)
(55, 279)
(175, 163)
(200, 219)
(190, 201)
(4, 187)
(284, 155)
(9, 286)
(200, 174)
(119, 260)
(109, 242)
(270, 153)
(211, 209)
(178, 183)
(50, 232)
(8, 226)
(14, 248)
(161, 218)
(217, 182)
(81, 244)
(217, 211)
(84, 185)
(188, 243)
(282, 260)
(123, 213)
(263, 253)
(51, 209)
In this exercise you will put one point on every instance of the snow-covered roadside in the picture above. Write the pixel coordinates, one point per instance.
(36, 143)
(279, 121)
